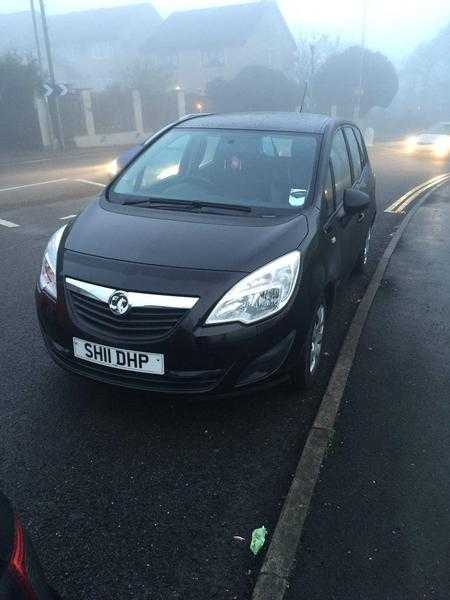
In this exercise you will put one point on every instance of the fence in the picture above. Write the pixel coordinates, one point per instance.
(114, 116)
(19, 129)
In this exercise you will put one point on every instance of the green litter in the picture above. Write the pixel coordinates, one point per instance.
(258, 539)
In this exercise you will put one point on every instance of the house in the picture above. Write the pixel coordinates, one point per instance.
(91, 48)
(201, 45)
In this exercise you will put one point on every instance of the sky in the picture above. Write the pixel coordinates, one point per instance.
(393, 26)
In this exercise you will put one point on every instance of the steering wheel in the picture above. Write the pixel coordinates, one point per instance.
(202, 180)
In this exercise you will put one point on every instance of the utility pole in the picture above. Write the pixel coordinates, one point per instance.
(360, 90)
(36, 37)
(41, 67)
(54, 99)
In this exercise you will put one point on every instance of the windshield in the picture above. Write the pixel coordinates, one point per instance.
(255, 169)
(440, 128)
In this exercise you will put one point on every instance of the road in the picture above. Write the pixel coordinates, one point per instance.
(129, 495)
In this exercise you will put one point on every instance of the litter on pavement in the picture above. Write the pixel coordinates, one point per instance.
(258, 539)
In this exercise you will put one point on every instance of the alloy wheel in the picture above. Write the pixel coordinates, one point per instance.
(317, 338)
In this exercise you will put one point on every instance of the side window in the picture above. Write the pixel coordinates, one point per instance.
(341, 166)
(354, 152)
(328, 192)
(362, 146)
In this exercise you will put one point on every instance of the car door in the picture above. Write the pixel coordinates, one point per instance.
(342, 228)
(361, 181)
(332, 246)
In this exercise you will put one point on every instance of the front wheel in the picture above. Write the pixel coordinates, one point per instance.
(306, 369)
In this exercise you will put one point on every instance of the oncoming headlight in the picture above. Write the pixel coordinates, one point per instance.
(113, 168)
(261, 294)
(441, 148)
(411, 143)
(47, 278)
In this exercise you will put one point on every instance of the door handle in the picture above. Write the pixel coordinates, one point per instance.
(361, 217)
(329, 232)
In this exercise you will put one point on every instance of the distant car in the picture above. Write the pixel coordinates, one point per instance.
(210, 264)
(119, 163)
(435, 141)
(21, 575)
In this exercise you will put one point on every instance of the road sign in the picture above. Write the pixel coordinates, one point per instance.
(47, 90)
(59, 89)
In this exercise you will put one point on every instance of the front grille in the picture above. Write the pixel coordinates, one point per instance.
(140, 324)
(174, 382)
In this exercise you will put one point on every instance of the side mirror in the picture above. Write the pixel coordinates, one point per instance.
(355, 201)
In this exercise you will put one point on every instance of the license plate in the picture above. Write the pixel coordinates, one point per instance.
(119, 358)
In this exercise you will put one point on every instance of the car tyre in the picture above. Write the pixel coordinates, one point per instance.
(361, 262)
(306, 369)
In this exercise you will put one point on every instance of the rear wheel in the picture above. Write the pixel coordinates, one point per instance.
(307, 367)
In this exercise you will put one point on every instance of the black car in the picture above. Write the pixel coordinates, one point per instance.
(21, 574)
(210, 264)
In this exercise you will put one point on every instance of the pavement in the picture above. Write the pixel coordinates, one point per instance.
(379, 522)
(131, 495)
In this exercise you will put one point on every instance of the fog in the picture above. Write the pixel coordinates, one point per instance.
(136, 66)
(393, 27)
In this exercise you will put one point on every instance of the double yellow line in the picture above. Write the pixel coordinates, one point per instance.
(402, 203)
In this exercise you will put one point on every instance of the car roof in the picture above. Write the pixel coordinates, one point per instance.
(265, 121)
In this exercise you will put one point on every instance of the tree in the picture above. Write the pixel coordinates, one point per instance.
(19, 81)
(312, 52)
(424, 96)
(338, 81)
(142, 75)
(254, 88)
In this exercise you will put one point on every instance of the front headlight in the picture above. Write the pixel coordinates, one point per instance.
(47, 278)
(259, 295)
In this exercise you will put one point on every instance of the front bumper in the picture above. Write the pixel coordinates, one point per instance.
(203, 360)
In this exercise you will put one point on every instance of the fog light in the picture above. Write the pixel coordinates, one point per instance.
(268, 363)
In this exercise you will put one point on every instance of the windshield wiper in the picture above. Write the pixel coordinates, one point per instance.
(187, 204)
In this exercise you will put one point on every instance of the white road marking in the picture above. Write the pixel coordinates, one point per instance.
(401, 208)
(399, 205)
(28, 185)
(25, 162)
(8, 223)
(68, 217)
(91, 182)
